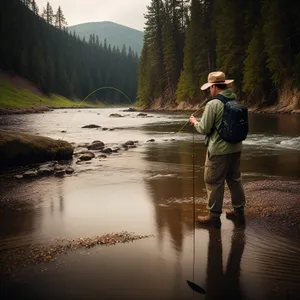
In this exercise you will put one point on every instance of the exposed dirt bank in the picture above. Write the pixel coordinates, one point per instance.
(186, 106)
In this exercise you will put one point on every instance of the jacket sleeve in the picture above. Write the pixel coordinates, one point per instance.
(206, 123)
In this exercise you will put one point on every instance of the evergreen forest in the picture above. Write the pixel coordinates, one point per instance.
(36, 45)
(255, 42)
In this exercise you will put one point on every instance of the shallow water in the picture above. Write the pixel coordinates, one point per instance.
(147, 190)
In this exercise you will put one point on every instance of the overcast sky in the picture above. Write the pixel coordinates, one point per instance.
(125, 12)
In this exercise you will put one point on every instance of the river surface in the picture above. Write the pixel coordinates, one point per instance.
(147, 190)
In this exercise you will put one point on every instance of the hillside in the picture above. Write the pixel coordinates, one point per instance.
(114, 34)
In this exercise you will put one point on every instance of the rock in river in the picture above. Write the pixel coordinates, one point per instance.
(96, 145)
(87, 156)
(91, 126)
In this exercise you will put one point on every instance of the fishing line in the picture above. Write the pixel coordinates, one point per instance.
(94, 91)
(202, 107)
(194, 208)
(192, 285)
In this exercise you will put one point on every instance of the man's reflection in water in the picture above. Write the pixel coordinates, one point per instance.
(219, 284)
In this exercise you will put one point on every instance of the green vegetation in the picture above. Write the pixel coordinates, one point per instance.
(111, 33)
(40, 49)
(255, 42)
(13, 98)
(21, 149)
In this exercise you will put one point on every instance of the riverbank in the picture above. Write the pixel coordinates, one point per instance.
(187, 107)
(18, 96)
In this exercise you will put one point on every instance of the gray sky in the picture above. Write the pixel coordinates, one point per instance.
(125, 12)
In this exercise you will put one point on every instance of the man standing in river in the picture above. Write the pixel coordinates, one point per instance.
(222, 158)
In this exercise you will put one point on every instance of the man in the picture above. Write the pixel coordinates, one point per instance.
(222, 158)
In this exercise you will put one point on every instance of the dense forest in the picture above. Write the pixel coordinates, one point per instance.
(38, 46)
(255, 42)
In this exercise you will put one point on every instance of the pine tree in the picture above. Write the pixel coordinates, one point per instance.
(48, 14)
(198, 51)
(230, 49)
(60, 20)
(153, 38)
(34, 7)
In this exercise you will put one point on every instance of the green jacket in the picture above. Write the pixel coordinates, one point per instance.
(210, 120)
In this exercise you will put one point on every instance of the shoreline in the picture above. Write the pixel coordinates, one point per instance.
(183, 107)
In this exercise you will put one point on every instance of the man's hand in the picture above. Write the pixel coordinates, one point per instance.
(193, 120)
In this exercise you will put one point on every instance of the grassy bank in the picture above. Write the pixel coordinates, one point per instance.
(13, 98)
(17, 149)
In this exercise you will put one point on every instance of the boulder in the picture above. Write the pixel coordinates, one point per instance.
(96, 145)
(107, 150)
(45, 170)
(87, 156)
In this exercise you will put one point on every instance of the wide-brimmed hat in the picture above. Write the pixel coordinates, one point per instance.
(216, 78)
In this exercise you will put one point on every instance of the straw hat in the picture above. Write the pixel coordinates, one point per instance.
(216, 78)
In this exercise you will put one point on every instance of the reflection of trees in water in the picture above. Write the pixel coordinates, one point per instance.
(16, 213)
(172, 196)
(57, 199)
(20, 201)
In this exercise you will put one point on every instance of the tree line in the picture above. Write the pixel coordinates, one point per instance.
(40, 48)
(255, 42)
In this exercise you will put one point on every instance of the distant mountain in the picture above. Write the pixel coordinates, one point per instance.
(115, 34)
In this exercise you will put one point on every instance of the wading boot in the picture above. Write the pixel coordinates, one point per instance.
(236, 215)
(209, 221)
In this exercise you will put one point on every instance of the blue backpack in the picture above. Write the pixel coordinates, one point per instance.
(234, 125)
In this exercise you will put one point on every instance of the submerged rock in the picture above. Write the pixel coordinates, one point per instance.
(91, 126)
(115, 115)
(141, 115)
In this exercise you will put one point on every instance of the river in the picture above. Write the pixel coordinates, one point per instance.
(148, 190)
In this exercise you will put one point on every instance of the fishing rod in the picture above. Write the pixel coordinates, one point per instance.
(196, 113)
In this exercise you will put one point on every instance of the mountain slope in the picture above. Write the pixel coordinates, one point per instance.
(114, 34)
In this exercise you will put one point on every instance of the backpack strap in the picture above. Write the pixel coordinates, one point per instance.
(222, 98)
